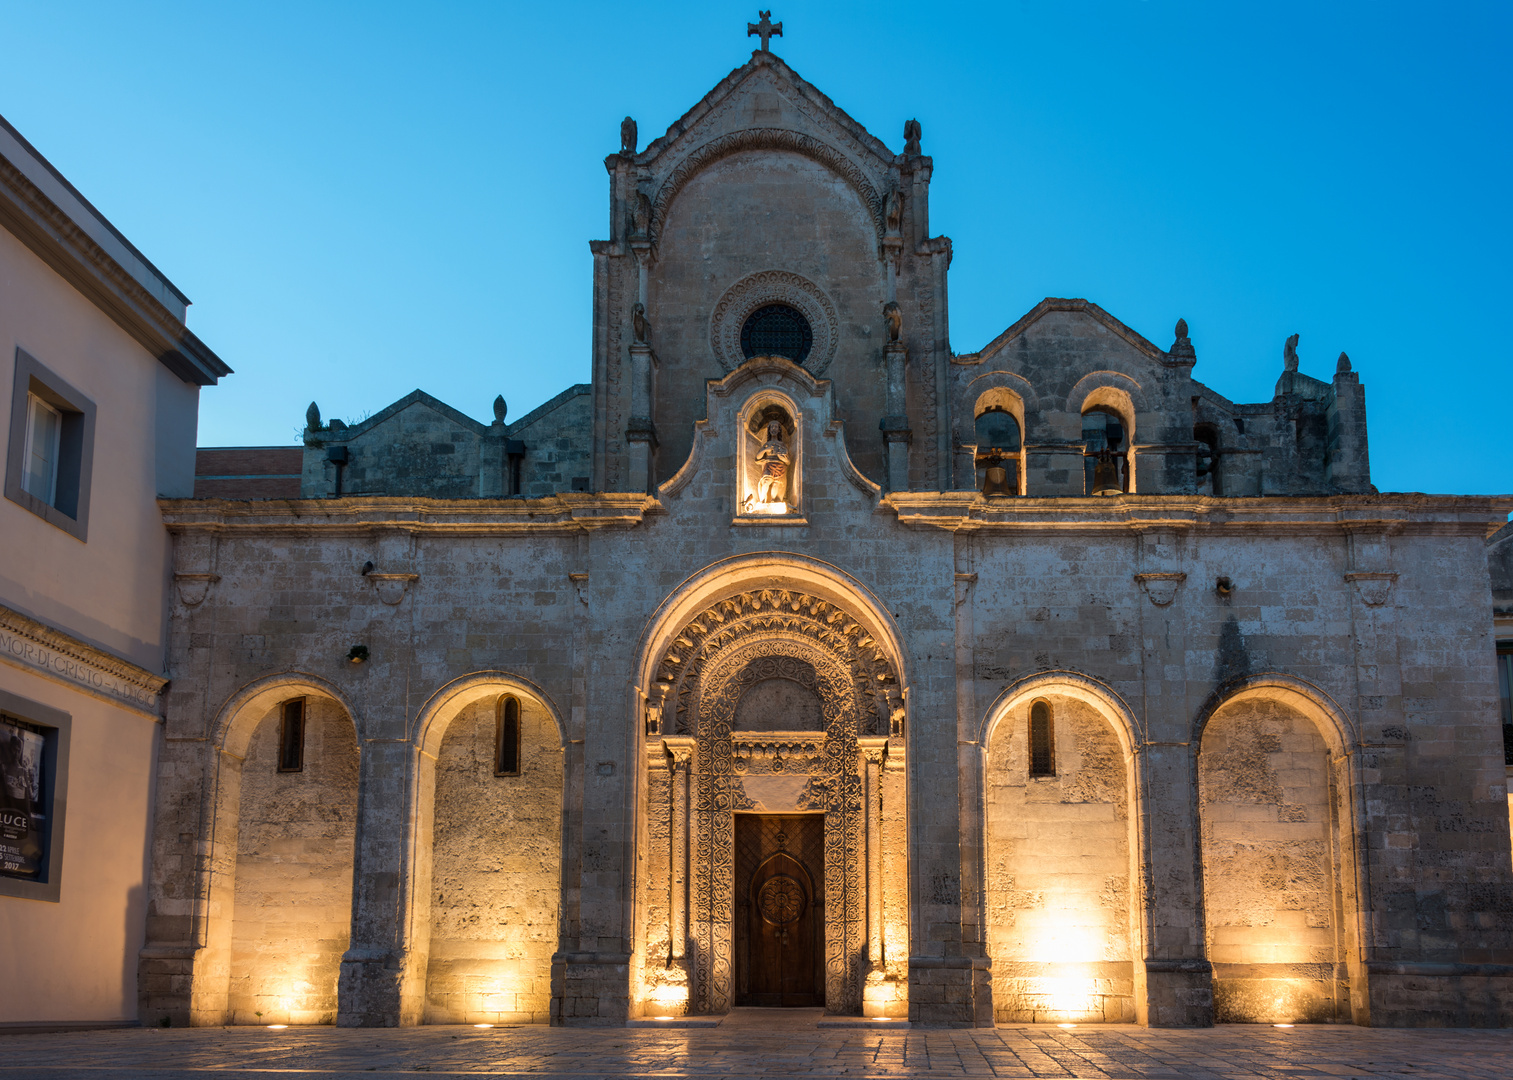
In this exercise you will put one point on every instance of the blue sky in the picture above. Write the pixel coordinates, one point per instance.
(363, 198)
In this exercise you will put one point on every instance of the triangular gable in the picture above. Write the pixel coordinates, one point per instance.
(728, 86)
(1056, 303)
(416, 397)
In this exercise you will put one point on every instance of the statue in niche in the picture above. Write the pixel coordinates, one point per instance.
(893, 211)
(1290, 354)
(769, 482)
(642, 221)
(638, 322)
(893, 315)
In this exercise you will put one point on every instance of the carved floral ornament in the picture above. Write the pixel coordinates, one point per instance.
(773, 287)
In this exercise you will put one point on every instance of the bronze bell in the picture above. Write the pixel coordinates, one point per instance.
(1106, 475)
(997, 480)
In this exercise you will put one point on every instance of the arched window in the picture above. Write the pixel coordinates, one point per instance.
(998, 451)
(291, 737)
(1042, 740)
(1104, 450)
(507, 738)
(777, 330)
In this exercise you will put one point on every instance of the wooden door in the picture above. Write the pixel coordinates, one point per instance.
(780, 908)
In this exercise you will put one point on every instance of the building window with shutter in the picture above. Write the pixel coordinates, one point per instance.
(51, 447)
(507, 738)
(291, 737)
(1042, 740)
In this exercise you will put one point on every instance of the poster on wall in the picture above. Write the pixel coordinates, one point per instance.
(23, 815)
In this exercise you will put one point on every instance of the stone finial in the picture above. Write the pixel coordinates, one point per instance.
(1183, 345)
(893, 316)
(628, 137)
(500, 408)
(1290, 354)
(912, 134)
(1342, 365)
(312, 417)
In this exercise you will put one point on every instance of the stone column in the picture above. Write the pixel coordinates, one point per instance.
(873, 750)
(681, 749)
(895, 425)
(641, 432)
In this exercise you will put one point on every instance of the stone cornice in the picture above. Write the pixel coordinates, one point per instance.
(38, 648)
(60, 242)
(357, 514)
(1436, 515)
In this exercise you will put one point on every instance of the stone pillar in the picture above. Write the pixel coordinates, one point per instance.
(873, 750)
(1054, 469)
(641, 432)
(1349, 467)
(895, 425)
(681, 749)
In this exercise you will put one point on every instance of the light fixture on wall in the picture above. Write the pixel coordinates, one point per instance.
(1224, 587)
(357, 654)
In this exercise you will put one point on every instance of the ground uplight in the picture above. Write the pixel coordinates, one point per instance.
(1283, 1025)
(1066, 1025)
(483, 1025)
(277, 1027)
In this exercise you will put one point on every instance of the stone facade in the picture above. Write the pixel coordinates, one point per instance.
(788, 622)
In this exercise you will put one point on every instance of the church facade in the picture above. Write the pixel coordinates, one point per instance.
(800, 660)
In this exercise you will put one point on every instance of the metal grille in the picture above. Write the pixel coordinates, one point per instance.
(777, 330)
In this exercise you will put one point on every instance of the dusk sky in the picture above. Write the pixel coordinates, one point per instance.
(364, 198)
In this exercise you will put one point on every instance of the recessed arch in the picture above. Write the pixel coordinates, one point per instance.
(233, 723)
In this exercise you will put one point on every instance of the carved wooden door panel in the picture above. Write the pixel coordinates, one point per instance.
(780, 916)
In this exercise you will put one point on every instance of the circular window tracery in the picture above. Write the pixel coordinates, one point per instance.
(777, 330)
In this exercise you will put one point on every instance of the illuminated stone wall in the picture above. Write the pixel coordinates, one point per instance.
(496, 873)
(1268, 866)
(1058, 872)
(293, 907)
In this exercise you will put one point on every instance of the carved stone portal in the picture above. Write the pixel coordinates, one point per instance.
(743, 641)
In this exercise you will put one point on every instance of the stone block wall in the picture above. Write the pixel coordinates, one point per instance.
(1270, 891)
(495, 873)
(294, 862)
(1058, 872)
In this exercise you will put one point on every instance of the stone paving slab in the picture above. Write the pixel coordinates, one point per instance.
(774, 1046)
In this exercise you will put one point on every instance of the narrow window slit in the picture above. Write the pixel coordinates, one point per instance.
(291, 737)
(507, 738)
(1042, 741)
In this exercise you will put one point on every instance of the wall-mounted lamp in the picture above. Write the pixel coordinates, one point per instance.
(357, 654)
(1224, 587)
(367, 568)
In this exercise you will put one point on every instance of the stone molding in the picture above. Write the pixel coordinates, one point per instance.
(36, 647)
(58, 241)
(774, 287)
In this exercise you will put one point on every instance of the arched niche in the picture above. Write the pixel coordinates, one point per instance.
(770, 452)
(278, 908)
(995, 448)
(1276, 801)
(1061, 846)
(487, 861)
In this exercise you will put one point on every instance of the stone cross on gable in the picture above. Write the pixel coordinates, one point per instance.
(765, 29)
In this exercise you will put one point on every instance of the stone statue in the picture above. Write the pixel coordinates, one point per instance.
(312, 417)
(642, 213)
(628, 137)
(893, 315)
(500, 408)
(1290, 354)
(638, 322)
(1342, 365)
(893, 211)
(912, 135)
(772, 466)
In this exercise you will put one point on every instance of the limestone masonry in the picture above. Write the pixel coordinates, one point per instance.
(797, 659)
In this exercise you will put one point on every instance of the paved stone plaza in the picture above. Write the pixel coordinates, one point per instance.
(752, 1043)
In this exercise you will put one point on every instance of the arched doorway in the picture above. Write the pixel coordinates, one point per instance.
(774, 739)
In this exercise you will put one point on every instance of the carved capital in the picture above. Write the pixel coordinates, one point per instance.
(681, 749)
(873, 748)
(1161, 587)
(1374, 588)
(193, 588)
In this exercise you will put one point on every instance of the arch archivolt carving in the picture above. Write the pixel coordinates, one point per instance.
(764, 139)
(715, 657)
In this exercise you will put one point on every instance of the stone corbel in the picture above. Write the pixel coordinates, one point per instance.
(580, 582)
(194, 587)
(1161, 587)
(391, 588)
(1373, 588)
